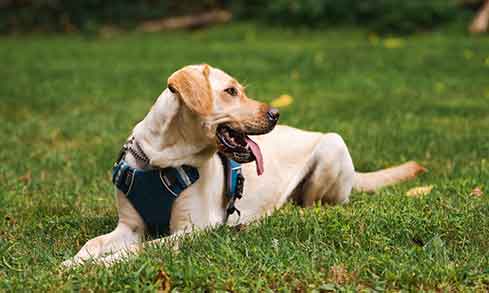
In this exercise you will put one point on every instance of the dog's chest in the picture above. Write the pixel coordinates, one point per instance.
(202, 204)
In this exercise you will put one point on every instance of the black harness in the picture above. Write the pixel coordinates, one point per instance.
(153, 191)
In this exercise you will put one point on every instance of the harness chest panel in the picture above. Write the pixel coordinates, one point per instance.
(153, 192)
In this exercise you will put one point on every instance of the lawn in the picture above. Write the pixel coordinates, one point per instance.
(69, 102)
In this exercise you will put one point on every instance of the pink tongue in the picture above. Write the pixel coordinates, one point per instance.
(255, 149)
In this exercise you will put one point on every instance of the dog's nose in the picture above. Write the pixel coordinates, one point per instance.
(273, 114)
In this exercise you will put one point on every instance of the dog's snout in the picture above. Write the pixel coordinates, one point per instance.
(273, 114)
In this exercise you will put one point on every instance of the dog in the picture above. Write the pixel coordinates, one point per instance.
(203, 112)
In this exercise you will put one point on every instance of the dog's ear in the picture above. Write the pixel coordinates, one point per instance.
(193, 87)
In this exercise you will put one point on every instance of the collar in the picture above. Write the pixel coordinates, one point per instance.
(133, 147)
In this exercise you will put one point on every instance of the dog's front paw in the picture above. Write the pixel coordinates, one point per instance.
(70, 263)
(91, 250)
(67, 264)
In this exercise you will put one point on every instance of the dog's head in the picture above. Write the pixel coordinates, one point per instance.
(224, 111)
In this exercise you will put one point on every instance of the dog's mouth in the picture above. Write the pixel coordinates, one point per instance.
(239, 147)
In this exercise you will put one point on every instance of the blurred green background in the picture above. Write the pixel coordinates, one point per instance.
(385, 16)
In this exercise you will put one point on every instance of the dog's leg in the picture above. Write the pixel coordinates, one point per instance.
(122, 237)
(171, 242)
(331, 176)
(128, 232)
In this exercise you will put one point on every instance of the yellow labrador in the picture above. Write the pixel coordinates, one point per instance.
(204, 110)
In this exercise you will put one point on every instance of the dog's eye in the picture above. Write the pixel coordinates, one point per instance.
(232, 91)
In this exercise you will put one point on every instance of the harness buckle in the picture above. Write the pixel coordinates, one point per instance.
(121, 154)
(239, 186)
(123, 150)
(231, 208)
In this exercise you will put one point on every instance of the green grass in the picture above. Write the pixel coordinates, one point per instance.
(68, 103)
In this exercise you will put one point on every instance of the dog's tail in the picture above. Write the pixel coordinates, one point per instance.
(372, 181)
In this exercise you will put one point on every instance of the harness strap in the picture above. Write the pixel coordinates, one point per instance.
(234, 181)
